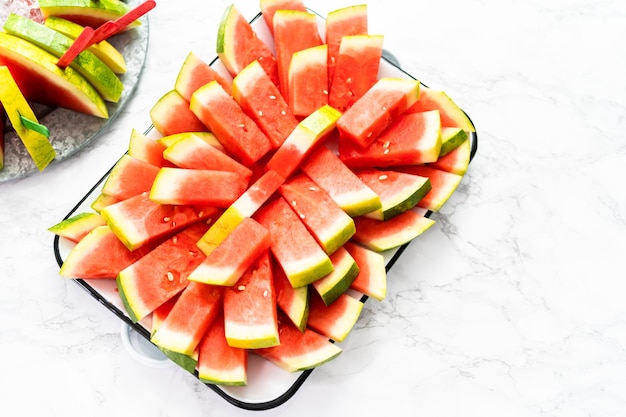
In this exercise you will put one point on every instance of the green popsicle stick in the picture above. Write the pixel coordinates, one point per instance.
(34, 126)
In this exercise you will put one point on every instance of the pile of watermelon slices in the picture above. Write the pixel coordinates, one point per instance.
(255, 217)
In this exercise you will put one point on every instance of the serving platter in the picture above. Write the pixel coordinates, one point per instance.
(71, 131)
(268, 386)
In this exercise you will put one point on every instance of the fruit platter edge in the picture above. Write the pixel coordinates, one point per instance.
(268, 386)
(71, 131)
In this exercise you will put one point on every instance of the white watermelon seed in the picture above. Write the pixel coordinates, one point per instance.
(170, 276)
(383, 177)
(272, 97)
(241, 287)
(283, 112)
(261, 113)
(265, 293)
(166, 219)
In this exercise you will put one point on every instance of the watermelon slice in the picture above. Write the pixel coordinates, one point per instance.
(74, 228)
(324, 219)
(294, 31)
(238, 45)
(41, 80)
(239, 134)
(398, 191)
(197, 187)
(415, 138)
(356, 69)
(250, 314)
(451, 138)
(129, 177)
(377, 109)
(372, 277)
(234, 255)
(99, 254)
(380, 236)
(194, 73)
(245, 206)
(192, 152)
(171, 115)
(218, 362)
(295, 249)
(294, 302)
(260, 98)
(96, 72)
(351, 20)
(158, 276)
(308, 80)
(269, 7)
(336, 320)
(337, 282)
(456, 161)
(300, 143)
(187, 362)
(443, 185)
(145, 149)
(342, 185)
(299, 351)
(138, 220)
(183, 328)
(451, 113)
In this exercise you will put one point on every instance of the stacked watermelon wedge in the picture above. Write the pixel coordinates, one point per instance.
(242, 227)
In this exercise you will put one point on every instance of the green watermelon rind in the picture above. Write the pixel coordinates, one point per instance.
(126, 302)
(451, 138)
(403, 200)
(387, 240)
(337, 282)
(77, 225)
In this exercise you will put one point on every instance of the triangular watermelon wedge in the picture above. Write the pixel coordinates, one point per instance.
(372, 277)
(335, 320)
(299, 351)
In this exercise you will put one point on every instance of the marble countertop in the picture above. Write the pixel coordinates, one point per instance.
(511, 304)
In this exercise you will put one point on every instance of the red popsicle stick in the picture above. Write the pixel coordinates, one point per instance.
(81, 43)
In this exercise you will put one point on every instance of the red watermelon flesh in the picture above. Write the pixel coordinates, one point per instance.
(415, 138)
(377, 109)
(138, 220)
(351, 20)
(235, 130)
(342, 185)
(260, 98)
(250, 314)
(298, 350)
(294, 31)
(356, 69)
(326, 221)
(192, 152)
(308, 80)
(100, 254)
(194, 73)
(225, 264)
(295, 249)
(196, 308)
(171, 115)
(335, 320)
(129, 177)
(159, 275)
(372, 277)
(218, 362)
(269, 7)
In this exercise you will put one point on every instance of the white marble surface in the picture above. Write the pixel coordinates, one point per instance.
(512, 304)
